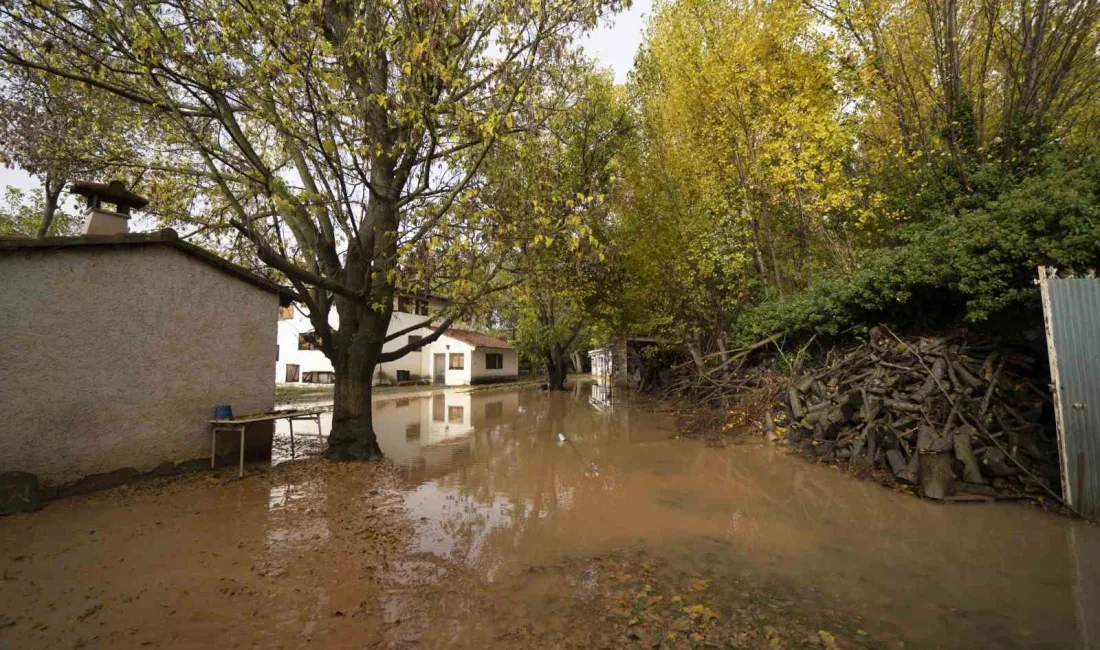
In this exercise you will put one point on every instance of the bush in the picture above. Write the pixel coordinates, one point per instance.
(971, 264)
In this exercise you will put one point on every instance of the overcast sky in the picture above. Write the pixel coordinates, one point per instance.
(613, 45)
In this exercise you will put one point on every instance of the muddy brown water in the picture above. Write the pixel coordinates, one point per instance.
(490, 531)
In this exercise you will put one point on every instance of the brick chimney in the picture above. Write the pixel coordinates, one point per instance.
(98, 218)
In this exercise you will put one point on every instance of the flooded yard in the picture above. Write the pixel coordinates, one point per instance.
(487, 530)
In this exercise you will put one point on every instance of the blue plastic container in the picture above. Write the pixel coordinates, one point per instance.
(223, 412)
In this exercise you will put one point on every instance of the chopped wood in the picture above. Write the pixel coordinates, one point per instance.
(956, 415)
(931, 415)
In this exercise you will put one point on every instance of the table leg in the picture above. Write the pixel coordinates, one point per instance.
(213, 444)
(240, 474)
(290, 421)
(320, 435)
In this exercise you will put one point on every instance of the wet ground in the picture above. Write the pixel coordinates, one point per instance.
(488, 531)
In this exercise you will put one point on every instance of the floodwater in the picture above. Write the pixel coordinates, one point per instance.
(490, 531)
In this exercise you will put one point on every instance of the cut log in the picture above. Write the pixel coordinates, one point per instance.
(935, 475)
(861, 440)
(929, 440)
(997, 464)
(928, 388)
(899, 405)
(972, 472)
(797, 409)
(906, 472)
(964, 374)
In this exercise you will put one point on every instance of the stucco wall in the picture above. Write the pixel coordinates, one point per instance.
(447, 346)
(115, 357)
(479, 372)
(474, 369)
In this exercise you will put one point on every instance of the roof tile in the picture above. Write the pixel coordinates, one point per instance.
(477, 339)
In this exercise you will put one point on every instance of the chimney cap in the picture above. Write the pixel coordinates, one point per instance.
(113, 192)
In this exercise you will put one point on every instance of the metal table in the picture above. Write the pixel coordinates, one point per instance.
(240, 423)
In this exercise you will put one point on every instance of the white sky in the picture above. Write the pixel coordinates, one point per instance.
(613, 45)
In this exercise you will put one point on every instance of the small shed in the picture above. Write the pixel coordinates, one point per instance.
(117, 347)
(620, 362)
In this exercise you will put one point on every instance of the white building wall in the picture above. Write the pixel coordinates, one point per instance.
(419, 364)
(474, 369)
(447, 346)
(412, 361)
(316, 361)
(479, 371)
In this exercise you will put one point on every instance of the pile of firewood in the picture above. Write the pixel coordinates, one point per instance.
(957, 417)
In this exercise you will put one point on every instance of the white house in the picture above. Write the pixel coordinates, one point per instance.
(463, 357)
(460, 357)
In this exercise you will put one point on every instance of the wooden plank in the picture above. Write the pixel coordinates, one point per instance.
(263, 417)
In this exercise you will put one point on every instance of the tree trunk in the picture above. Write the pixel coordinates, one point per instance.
(695, 347)
(578, 362)
(556, 369)
(352, 436)
(51, 189)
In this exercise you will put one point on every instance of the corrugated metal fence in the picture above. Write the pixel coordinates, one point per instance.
(1071, 308)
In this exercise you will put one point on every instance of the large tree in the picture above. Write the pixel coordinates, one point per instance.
(742, 187)
(561, 176)
(57, 130)
(337, 134)
(22, 213)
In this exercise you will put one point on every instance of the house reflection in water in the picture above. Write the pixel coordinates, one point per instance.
(600, 397)
(433, 432)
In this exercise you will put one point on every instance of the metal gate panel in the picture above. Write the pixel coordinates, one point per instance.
(1071, 309)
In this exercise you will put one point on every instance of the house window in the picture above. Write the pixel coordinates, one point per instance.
(403, 375)
(318, 377)
(455, 413)
(413, 338)
(421, 307)
(457, 361)
(308, 341)
(292, 370)
(412, 432)
(286, 313)
(403, 304)
(494, 361)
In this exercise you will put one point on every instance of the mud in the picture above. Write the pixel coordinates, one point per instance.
(484, 530)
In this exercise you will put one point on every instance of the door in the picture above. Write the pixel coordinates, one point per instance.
(440, 369)
(292, 372)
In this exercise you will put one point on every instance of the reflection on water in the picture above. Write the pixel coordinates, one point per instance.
(600, 395)
(493, 527)
(491, 489)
